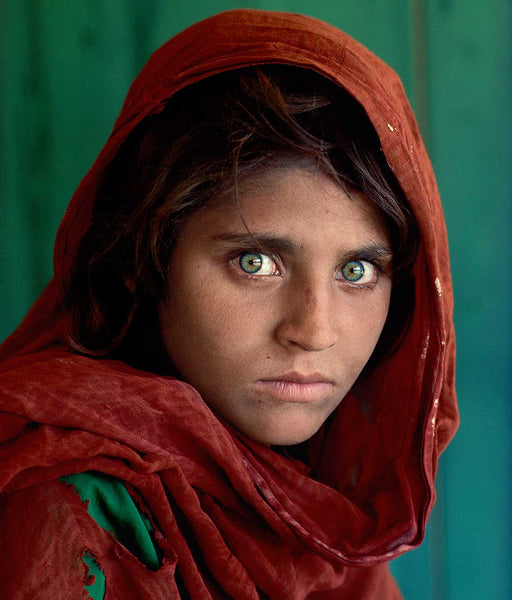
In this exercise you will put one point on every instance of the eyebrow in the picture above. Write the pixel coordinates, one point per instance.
(269, 242)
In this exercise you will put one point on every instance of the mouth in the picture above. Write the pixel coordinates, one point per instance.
(297, 387)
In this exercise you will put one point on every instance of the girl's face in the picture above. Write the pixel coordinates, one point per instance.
(273, 327)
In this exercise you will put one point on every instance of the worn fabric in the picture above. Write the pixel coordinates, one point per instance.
(115, 509)
(235, 518)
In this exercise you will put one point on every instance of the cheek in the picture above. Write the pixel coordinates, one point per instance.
(376, 314)
(370, 317)
(205, 325)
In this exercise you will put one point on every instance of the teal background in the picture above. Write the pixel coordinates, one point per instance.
(65, 66)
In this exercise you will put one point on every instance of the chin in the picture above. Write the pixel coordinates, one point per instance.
(282, 436)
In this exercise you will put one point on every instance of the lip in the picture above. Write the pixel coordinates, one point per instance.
(297, 387)
(297, 377)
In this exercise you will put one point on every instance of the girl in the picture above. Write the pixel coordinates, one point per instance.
(239, 380)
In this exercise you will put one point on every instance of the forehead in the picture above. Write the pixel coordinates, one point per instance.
(296, 202)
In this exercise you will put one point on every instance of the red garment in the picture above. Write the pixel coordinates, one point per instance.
(238, 519)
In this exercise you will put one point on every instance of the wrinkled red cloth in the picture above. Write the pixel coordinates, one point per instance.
(237, 519)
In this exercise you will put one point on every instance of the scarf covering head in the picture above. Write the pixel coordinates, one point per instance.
(238, 520)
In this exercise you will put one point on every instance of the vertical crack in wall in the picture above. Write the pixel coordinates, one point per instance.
(437, 549)
(419, 54)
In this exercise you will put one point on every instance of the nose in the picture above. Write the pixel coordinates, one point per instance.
(308, 320)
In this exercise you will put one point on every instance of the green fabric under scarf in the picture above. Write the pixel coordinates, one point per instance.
(113, 509)
(96, 586)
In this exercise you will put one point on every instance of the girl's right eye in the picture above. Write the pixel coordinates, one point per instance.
(254, 263)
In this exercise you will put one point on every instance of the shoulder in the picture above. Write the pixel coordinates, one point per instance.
(57, 549)
(113, 507)
(45, 534)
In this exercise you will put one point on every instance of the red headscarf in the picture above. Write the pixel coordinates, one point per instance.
(238, 519)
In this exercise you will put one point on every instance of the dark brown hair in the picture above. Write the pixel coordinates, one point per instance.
(210, 138)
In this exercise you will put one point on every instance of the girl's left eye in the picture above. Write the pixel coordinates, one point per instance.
(254, 263)
(359, 272)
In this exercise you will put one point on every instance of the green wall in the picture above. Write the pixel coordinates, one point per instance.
(65, 66)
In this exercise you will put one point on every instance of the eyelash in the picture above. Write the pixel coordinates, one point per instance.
(236, 257)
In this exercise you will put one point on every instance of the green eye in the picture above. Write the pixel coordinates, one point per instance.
(251, 263)
(254, 263)
(353, 271)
